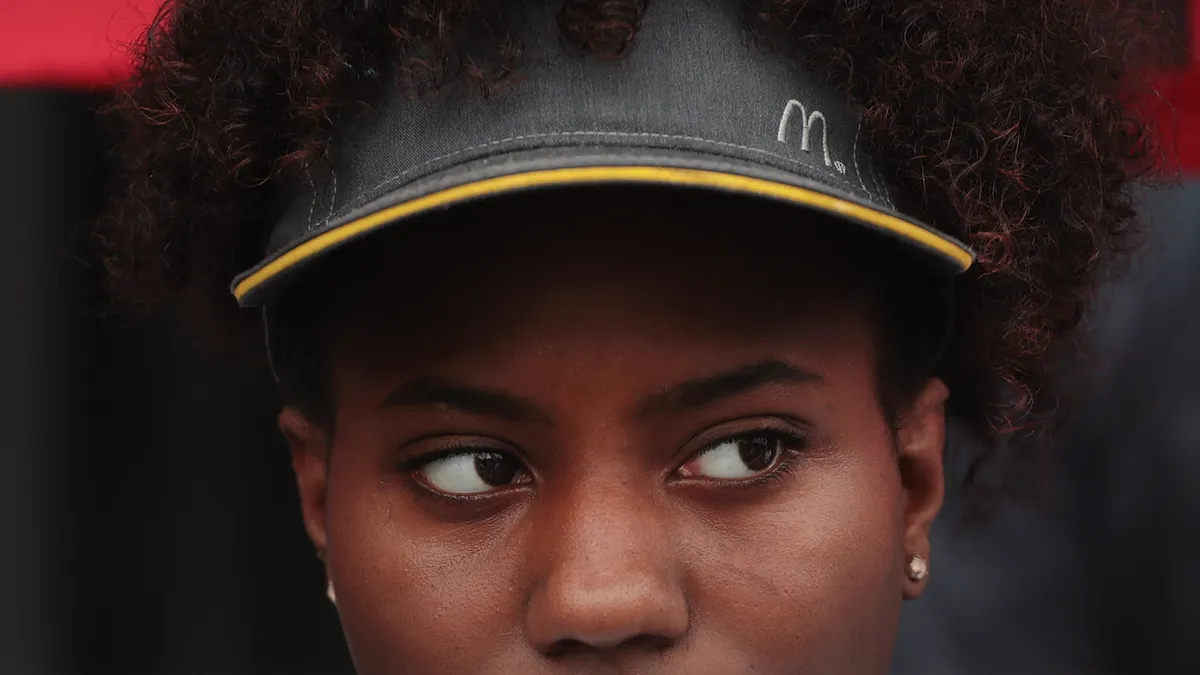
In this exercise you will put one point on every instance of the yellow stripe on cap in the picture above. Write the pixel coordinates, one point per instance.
(606, 174)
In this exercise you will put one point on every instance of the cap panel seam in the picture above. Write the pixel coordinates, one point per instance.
(857, 170)
(598, 134)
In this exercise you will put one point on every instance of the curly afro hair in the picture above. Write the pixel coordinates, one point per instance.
(1006, 124)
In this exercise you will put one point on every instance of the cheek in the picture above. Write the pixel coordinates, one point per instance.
(815, 577)
(439, 597)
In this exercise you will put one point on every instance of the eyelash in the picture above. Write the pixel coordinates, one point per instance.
(794, 445)
(453, 449)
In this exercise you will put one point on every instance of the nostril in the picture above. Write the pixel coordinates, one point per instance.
(569, 647)
(566, 648)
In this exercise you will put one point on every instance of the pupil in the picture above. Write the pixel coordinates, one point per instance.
(757, 453)
(496, 469)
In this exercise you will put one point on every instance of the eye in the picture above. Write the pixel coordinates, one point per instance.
(472, 473)
(737, 458)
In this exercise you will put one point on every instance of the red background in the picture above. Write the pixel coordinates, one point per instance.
(79, 44)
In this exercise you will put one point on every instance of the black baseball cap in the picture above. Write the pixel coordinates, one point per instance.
(694, 104)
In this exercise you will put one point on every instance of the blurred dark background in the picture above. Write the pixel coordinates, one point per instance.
(150, 517)
(149, 524)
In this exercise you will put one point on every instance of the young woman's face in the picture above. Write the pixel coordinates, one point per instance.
(599, 441)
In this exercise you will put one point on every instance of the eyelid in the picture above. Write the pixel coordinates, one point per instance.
(779, 425)
(459, 445)
(410, 467)
(792, 431)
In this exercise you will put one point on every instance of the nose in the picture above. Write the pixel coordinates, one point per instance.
(608, 583)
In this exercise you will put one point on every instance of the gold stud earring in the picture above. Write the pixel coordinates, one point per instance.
(917, 569)
(329, 592)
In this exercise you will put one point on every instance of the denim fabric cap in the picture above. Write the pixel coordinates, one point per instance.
(694, 104)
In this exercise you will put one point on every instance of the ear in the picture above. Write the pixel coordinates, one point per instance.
(310, 461)
(921, 438)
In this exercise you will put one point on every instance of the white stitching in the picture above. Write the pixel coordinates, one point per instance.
(333, 196)
(601, 134)
(312, 204)
(876, 182)
(857, 171)
(618, 134)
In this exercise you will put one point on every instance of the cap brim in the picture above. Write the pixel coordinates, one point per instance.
(566, 167)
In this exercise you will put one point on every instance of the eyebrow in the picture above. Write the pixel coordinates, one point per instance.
(691, 394)
(720, 386)
(437, 392)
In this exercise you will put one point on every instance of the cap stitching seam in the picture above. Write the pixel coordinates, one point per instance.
(312, 203)
(602, 134)
(857, 170)
(333, 196)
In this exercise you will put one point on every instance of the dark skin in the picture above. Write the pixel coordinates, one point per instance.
(617, 449)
